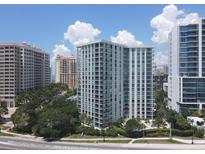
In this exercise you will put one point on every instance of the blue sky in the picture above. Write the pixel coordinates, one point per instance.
(44, 25)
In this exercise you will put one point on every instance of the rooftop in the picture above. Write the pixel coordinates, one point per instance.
(65, 57)
(22, 45)
(118, 44)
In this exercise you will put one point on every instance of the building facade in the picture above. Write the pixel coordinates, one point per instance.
(22, 67)
(66, 71)
(187, 67)
(114, 81)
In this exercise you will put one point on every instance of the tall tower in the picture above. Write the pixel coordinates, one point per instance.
(114, 81)
(22, 67)
(187, 67)
(66, 71)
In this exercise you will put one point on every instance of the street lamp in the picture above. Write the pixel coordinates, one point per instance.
(204, 131)
(192, 140)
(170, 131)
(143, 130)
(103, 134)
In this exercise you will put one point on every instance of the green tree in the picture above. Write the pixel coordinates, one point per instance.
(22, 121)
(195, 114)
(199, 133)
(177, 120)
(181, 123)
(203, 113)
(119, 123)
(57, 120)
(171, 117)
(159, 120)
(185, 112)
(134, 124)
(133, 128)
(46, 112)
(83, 118)
(3, 109)
(160, 100)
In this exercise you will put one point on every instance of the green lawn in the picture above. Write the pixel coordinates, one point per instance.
(99, 141)
(188, 138)
(83, 141)
(77, 136)
(114, 141)
(166, 141)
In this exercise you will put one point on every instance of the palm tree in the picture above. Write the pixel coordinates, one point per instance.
(83, 118)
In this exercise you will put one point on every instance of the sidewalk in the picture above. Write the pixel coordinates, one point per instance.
(93, 139)
(21, 135)
(186, 141)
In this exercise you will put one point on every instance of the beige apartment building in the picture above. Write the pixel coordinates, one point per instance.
(22, 67)
(66, 71)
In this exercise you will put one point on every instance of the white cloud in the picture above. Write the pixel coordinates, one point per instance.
(60, 49)
(164, 22)
(126, 38)
(190, 18)
(81, 32)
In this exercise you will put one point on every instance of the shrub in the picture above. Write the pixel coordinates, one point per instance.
(199, 133)
(134, 133)
(182, 133)
(156, 132)
(133, 128)
(120, 131)
(111, 131)
(166, 132)
(88, 131)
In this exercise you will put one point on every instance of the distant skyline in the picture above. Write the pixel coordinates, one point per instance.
(45, 25)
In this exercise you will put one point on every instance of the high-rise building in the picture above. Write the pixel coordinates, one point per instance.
(22, 67)
(114, 81)
(66, 71)
(187, 67)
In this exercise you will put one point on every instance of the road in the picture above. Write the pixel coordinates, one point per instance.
(18, 143)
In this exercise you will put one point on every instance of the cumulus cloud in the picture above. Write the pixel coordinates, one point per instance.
(126, 38)
(81, 32)
(164, 22)
(59, 49)
(190, 18)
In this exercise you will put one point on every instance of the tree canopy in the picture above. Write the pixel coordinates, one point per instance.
(3, 110)
(46, 112)
(163, 113)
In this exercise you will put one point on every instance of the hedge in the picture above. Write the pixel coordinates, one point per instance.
(88, 131)
(156, 132)
(166, 132)
(134, 133)
(113, 132)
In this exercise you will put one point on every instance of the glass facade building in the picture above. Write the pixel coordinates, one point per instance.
(187, 67)
(114, 81)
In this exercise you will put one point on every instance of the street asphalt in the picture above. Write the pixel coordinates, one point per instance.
(19, 143)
